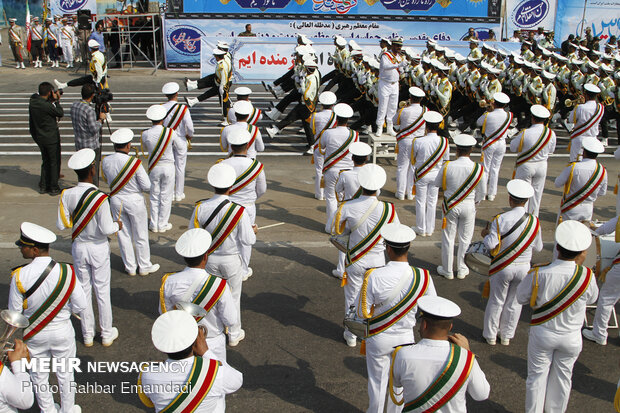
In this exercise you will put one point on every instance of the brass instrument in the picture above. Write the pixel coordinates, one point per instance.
(189, 144)
(193, 309)
(571, 102)
(608, 101)
(14, 320)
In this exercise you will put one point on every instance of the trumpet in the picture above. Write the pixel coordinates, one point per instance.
(571, 102)
(484, 104)
(14, 320)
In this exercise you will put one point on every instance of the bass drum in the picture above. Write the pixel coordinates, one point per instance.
(354, 324)
(478, 258)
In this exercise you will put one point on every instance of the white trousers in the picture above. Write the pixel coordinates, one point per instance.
(388, 102)
(229, 267)
(330, 177)
(318, 173)
(246, 250)
(92, 267)
(217, 345)
(492, 162)
(341, 261)
(503, 310)
(582, 212)
(133, 238)
(180, 161)
(550, 360)
(54, 341)
(426, 203)
(404, 170)
(608, 296)
(378, 358)
(67, 51)
(460, 222)
(535, 174)
(162, 185)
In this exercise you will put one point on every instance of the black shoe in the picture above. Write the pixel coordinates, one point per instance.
(43, 190)
(55, 192)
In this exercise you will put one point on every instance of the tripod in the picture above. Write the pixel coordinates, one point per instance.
(83, 36)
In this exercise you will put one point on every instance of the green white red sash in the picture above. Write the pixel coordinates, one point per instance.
(449, 381)
(579, 130)
(87, 211)
(367, 243)
(199, 382)
(129, 170)
(14, 36)
(67, 34)
(178, 111)
(464, 190)
(570, 202)
(226, 226)
(542, 141)
(331, 123)
(417, 289)
(514, 250)
(36, 33)
(54, 303)
(577, 285)
(254, 116)
(341, 152)
(51, 35)
(210, 293)
(413, 127)
(434, 159)
(253, 133)
(498, 134)
(390, 57)
(247, 177)
(160, 147)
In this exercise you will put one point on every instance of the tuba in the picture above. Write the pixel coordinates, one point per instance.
(14, 320)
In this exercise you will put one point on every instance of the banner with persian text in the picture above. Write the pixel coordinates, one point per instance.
(72, 6)
(603, 16)
(530, 14)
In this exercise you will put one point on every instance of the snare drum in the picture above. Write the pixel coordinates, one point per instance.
(340, 241)
(478, 258)
(355, 324)
(608, 251)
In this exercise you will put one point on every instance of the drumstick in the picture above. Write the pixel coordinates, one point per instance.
(120, 210)
(272, 225)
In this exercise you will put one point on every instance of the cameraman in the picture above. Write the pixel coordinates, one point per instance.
(87, 125)
(44, 111)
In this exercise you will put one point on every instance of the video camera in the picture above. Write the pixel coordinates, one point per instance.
(101, 99)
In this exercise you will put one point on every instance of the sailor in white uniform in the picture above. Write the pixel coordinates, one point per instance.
(250, 184)
(159, 141)
(533, 146)
(334, 145)
(428, 153)
(431, 367)
(128, 179)
(243, 109)
(583, 181)
(391, 65)
(586, 118)
(178, 118)
(15, 386)
(194, 284)
(177, 334)
(243, 94)
(410, 121)
(362, 219)
(395, 287)
(47, 338)
(234, 232)
(86, 210)
(494, 126)
(320, 122)
(555, 329)
(511, 238)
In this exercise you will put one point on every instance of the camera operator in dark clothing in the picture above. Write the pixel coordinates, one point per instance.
(44, 111)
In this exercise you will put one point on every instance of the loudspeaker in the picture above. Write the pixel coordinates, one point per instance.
(83, 18)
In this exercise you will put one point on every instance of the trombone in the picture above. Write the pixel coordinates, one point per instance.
(14, 320)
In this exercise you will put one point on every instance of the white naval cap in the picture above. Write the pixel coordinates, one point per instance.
(433, 117)
(93, 44)
(239, 137)
(440, 48)
(174, 331)
(221, 176)
(304, 39)
(121, 136)
(573, 236)
(606, 67)
(519, 188)
(464, 140)
(222, 45)
(342, 110)
(592, 64)
(416, 92)
(354, 45)
(397, 234)
(301, 50)
(33, 234)
(310, 63)
(592, 88)
(340, 41)
(218, 52)
(360, 149)
(371, 177)
(12, 20)
(356, 52)
(450, 53)
(170, 88)
(156, 112)
(439, 307)
(459, 57)
(193, 243)
(243, 91)
(591, 144)
(327, 98)
(540, 111)
(385, 39)
(494, 70)
(242, 107)
(501, 97)
(577, 62)
(81, 159)
(548, 75)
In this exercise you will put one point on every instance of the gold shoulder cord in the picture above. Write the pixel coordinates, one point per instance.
(393, 394)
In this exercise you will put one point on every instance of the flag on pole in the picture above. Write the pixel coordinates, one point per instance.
(29, 42)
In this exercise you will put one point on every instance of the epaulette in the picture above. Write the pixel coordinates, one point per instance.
(342, 170)
(18, 267)
(201, 200)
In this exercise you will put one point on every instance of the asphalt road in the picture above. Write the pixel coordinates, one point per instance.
(293, 358)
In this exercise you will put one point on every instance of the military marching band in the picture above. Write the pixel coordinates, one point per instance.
(425, 102)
